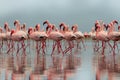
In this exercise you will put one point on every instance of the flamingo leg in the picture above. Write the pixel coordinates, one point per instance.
(69, 48)
(17, 48)
(60, 47)
(83, 44)
(43, 47)
(54, 45)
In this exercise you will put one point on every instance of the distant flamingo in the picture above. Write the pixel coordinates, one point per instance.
(92, 34)
(69, 36)
(18, 35)
(38, 35)
(79, 35)
(55, 35)
(113, 35)
(102, 36)
(8, 37)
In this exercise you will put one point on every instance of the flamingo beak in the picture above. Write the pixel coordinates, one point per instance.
(72, 27)
(5, 26)
(29, 30)
(105, 26)
(61, 25)
(44, 23)
(47, 28)
(115, 21)
(15, 23)
(96, 28)
(96, 24)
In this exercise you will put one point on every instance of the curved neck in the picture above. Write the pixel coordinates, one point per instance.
(17, 26)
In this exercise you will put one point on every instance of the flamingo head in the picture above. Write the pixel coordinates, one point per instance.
(106, 27)
(37, 27)
(47, 28)
(115, 21)
(45, 22)
(96, 24)
(5, 25)
(97, 27)
(24, 25)
(12, 31)
(29, 30)
(72, 27)
(16, 22)
(62, 24)
(53, 27)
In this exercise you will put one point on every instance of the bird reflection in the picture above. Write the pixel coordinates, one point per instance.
(107, 65)
(70, 67)
(39, 68)
(56, 70)
(19, 68)
(63, 67)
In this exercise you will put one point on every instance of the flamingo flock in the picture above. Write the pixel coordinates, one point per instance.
(15, 39)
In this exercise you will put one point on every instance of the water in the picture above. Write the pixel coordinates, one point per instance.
(78, 64)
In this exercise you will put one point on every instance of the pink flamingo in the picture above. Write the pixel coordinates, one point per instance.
(8, 37)
(55, 35)
(113, 35)
(69, 37)
(7, 29)
(38, 35)
(102, 36)
(94, 39)
(19, 36)
(79, 35)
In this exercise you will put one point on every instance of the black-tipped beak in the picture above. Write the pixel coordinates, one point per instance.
(61, 25)
(115, 21)
(15, 23)
(47, 28)
(44, 23)
(96, 28)
(96, 24)
(5, 26)
(72, 27)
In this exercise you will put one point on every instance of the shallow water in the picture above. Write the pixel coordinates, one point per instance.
(77, 64)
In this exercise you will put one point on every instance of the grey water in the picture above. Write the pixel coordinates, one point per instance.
(77, 64)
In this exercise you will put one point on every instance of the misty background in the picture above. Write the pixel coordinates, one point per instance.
(81, 12)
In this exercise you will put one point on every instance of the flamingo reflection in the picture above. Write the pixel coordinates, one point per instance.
(39, 68)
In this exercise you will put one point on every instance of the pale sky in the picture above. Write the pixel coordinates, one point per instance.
(81, 12)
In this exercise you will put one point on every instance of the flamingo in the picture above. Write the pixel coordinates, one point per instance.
(19, 36)
(113, 35)
(69, 36)
(8, 37)
(102, 36)
(79, 35)
(38, 36)
(55, 35)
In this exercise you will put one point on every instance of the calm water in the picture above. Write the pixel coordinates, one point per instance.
(77, 64)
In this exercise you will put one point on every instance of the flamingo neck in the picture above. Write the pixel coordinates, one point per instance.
(17, 27)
